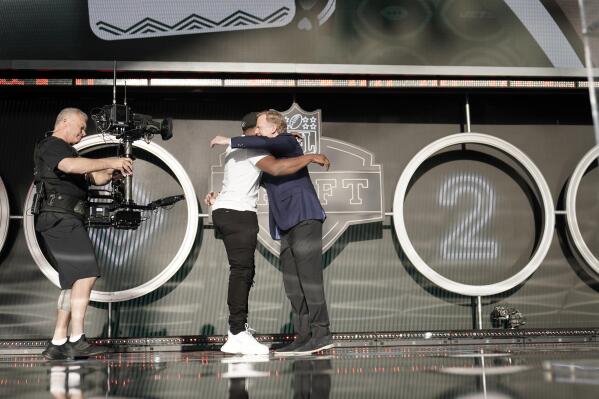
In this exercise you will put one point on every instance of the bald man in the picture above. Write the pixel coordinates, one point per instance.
(65, 177)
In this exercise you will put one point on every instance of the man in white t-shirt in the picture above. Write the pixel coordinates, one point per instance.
(235, 221)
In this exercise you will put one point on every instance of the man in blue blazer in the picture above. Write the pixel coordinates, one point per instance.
(296, 218)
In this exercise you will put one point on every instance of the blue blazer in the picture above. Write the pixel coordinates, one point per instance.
(292, 198)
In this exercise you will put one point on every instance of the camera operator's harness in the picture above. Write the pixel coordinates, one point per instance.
(51, 200)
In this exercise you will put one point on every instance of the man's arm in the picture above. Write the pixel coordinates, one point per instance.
(81, 165)
(100, 177)
(287, 166)
(279, 144)
(103, 177)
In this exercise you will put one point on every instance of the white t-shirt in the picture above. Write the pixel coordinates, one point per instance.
(241, 181)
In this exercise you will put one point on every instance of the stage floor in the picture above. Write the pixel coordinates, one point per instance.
(489, 371)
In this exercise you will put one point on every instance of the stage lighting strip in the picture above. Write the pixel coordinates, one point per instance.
(36, 82)
(571, 215)
(186, 82)
(529, 167)
(420, 336)
(350, 83)
(332, 83)
(585, 84)
(403, 83)
(259, 82)
(474, 83)
(109, 82)
(543, 84)
(97, 141)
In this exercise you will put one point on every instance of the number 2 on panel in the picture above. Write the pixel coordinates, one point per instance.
(463, 241)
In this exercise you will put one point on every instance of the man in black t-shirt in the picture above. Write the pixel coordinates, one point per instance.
(66, 176)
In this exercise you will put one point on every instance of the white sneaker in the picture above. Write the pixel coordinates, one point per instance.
(244, 343)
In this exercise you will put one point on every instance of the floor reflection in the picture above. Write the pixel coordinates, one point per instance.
(73, 380)
(526, 371)
(312, 378)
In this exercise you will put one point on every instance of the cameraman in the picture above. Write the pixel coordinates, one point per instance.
(62, 178)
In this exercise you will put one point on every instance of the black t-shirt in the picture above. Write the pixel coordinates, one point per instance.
(51, 151)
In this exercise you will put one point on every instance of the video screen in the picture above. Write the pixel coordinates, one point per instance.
(352, 36)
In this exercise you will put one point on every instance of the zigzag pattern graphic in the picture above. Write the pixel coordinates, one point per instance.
(193, 22)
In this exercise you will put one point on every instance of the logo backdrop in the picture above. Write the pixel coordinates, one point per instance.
(351, 191)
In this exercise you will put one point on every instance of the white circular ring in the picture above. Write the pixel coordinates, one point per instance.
(178, 259)
(4, 214)
(571, 216)
(420, 264)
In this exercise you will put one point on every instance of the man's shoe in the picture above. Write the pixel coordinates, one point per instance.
(243, 343)
(57, 352)
(315, 345)
(289, 350)
(82, 348)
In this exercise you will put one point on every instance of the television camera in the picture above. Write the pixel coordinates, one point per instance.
(115, 207)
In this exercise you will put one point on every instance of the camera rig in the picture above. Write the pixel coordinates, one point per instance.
(115, 207)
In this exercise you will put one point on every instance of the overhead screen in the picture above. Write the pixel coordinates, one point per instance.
(449, 37)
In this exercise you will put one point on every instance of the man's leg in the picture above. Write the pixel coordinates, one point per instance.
(239, 230)
(81, 271)
(63, 315)
(240, 248)
(293, 289)
(63, 312)
(295, 294)
(62, 325)
(306, 245)
(80, 294)
(74, 258)
(57, 348)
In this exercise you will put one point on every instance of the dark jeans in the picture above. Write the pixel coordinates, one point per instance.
(301, 253)
(239, 230)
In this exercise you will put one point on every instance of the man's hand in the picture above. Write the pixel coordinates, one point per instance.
(124, 165)
(321, 160)
(102, 177)
(219, 140)
(210, 198)
(298, 137)
(116, 175)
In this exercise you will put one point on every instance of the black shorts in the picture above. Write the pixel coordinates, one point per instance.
(68, 247)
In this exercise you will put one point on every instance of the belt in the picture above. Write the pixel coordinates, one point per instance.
(58, 202)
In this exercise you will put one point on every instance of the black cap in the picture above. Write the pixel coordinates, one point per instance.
(249, 121)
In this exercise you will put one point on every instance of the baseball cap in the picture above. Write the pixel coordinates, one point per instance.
(249, 120)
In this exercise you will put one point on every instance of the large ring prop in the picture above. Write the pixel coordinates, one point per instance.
(4, 214)
(178, 259)
(571, 216)
(531, 169)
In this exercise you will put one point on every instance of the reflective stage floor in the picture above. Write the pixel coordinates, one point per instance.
(468, 372)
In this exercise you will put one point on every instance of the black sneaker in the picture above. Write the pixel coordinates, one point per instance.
(57, 352)
(289, 350)
(315, 345)
(82, 348)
